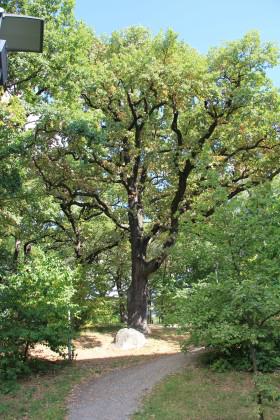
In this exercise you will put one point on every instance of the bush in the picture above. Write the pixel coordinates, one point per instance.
(231, 318)
(34, 308)
(103, 310)
(235, 309)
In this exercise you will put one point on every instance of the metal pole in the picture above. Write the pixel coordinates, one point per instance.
(3, 63)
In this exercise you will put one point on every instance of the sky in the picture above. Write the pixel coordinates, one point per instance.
(201, 23)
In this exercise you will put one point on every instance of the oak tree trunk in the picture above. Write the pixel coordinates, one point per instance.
(137, 297)
(137, 302)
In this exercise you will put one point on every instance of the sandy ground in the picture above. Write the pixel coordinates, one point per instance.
(95, 345)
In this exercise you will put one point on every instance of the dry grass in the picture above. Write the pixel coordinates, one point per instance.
(92, 345)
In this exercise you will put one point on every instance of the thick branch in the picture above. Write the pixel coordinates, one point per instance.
(93, 255)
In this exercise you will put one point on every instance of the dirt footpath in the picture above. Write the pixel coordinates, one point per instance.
(117, 395)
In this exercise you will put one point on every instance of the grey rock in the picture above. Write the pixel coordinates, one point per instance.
(129, 338)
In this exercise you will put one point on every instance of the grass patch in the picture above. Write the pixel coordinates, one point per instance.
(199, 393)
(43, 394)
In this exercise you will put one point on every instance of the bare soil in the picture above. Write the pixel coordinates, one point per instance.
(93, 345)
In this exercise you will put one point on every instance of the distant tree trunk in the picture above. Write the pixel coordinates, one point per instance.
(26, 350)
(123, 313)
(150, 315)
(27, 250)
(121, 294)
(16, 251)
(255, 372)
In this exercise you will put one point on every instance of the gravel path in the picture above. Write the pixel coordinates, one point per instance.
(117, 395)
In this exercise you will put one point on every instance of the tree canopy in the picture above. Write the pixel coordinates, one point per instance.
(161, 131)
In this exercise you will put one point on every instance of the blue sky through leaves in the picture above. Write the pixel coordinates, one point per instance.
(201, 23)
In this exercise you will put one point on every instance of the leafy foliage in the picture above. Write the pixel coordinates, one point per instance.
(34, 308)
(236, 307)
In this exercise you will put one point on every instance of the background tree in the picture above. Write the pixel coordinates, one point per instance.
(24, 99)
(191, 260)
(32, 306)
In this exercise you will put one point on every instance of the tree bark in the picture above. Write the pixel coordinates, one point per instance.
(137, 299)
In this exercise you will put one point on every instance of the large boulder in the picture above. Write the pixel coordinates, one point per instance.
(129, 338)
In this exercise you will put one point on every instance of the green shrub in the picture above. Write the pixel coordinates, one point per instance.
(235, 308)
(230, 317)
(34, 308)
(103, 310)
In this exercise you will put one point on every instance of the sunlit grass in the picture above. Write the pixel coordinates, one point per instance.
(201, 394)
